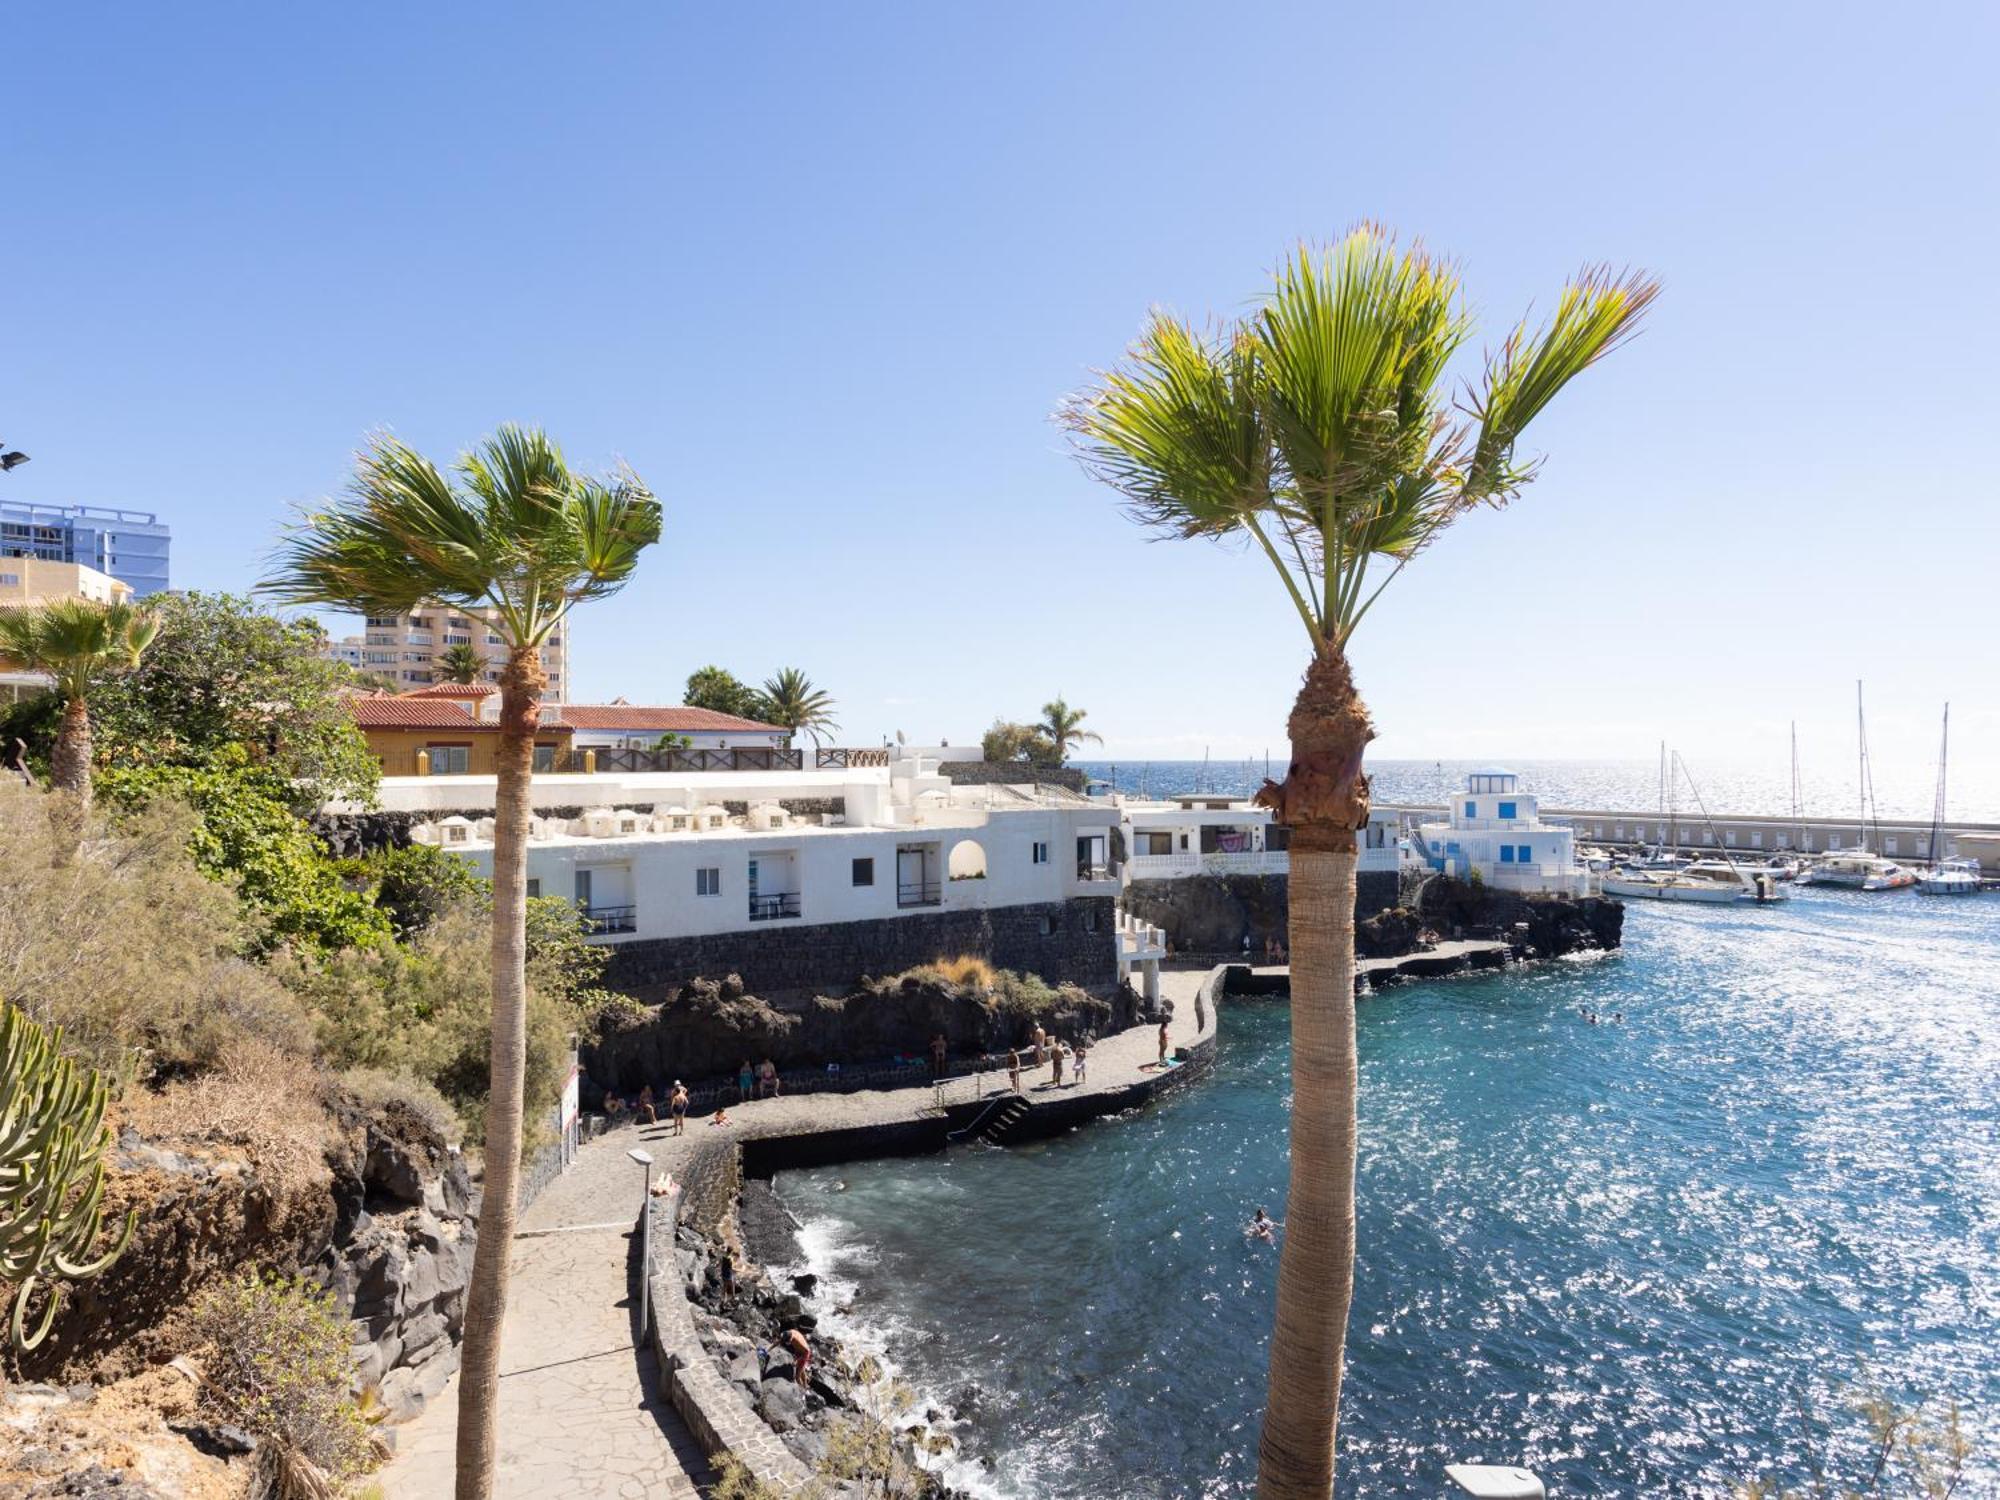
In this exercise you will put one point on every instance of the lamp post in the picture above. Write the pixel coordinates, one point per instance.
(645, 1161)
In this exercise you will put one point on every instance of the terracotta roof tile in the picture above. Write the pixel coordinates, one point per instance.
(678, 719)
(452, 690)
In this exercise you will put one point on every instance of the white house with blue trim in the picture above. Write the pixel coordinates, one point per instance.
(1495, 830)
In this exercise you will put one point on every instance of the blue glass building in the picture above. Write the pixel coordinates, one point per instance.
(130, 545)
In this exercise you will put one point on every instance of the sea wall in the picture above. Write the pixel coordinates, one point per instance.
(1076, 948)
(1215, 913)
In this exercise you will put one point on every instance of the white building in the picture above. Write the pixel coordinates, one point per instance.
(665, 856)
(1494, 830)
(625, 726)
(1196, 834)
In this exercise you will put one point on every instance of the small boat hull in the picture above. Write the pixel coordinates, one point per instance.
(1703, 892)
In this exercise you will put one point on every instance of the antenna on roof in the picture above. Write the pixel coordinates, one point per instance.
(899, 738)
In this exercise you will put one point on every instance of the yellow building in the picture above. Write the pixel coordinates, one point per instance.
(455, 729)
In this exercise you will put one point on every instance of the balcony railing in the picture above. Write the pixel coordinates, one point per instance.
(1087, 869)
(611, 918)
(835, 758)
(920, 893)
(771, 908)
(746, 758)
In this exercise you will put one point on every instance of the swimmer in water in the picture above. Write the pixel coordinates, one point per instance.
(1261, 1228)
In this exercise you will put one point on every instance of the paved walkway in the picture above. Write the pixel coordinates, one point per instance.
(579, 1413)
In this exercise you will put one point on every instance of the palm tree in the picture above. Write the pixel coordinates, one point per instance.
(791, 699)
(1063, 727)
(461, 664)
(1322, 429)
(75, 641)
(520, 531)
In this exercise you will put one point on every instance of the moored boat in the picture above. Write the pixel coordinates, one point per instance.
(1858, 870)
(1685, 885)
(1951, 877)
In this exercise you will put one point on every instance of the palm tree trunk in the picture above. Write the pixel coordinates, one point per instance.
(69, 775)
(521, 687)
(1324, 802)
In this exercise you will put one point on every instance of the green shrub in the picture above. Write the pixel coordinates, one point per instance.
(291, 888)
(424, 1009)
(414, 885)
(275, 1363)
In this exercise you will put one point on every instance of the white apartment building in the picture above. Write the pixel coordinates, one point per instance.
(662, 856)
(1169, 838)
(408, 647)
(1494, 829)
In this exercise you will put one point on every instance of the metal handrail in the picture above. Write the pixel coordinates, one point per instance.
(997, 1101)
(921, 893)
(782, 904)
(611, 918)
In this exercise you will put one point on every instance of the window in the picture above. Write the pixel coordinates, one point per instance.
(1472, 809)
(450, 760)
(1156, 843)
(1506, 854)
(545, 757)
(11, 580)
(1507, 811)
(457, 640)
(1048, 926)
(1729, 838)
(1889, 844)
(864, 872)
(1041, 857)
(708, 881)
(1525, 855)
(1090, 920)
(534, 887)
(1756, 841)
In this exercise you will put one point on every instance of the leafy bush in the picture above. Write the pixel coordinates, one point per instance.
(290, 886)
(275, 1363)
(224, 678)
(129, 948)
(424, 1008)
(413, 886)
(1026, 744)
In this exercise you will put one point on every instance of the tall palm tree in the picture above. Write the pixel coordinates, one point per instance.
(791, 699)
(461, 664)
(75, 641)
(520, 531)
(1323, 429)
(1063, 727)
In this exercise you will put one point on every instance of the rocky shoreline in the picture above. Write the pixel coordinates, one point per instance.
(849, 1423)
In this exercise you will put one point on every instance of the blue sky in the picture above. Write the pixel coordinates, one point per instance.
(821, 274)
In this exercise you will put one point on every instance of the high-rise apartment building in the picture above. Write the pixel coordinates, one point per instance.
(410, 648)
(128, 544)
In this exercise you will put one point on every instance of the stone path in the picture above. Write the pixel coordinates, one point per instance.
(579, 1413)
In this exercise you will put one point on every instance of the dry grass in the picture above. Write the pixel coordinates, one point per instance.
(966, 969)
(261, 1100)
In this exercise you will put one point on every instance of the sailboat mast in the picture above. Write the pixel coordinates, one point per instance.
(1937, 807)
(1861, 773)
(1798, 811)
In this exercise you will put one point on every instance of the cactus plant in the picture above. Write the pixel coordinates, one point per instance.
(52, 1142)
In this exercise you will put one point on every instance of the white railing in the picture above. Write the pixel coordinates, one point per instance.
(1174, 866)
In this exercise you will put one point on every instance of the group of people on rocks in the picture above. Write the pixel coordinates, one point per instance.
(1059, 1054)
(760, 1082)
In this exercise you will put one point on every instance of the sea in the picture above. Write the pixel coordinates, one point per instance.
(1655, 1253)
(1745, 790)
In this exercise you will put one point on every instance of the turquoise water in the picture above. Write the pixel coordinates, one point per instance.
(1617, 1253)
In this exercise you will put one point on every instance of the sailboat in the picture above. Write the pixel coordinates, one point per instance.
(1860, 868)
(1712, 881)
(1946, 877)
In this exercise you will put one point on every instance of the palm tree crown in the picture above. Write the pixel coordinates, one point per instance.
(1323, 427)
(75, 639)
(518, 530)
(461, 664)
(791, 699)
(1064, 727)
